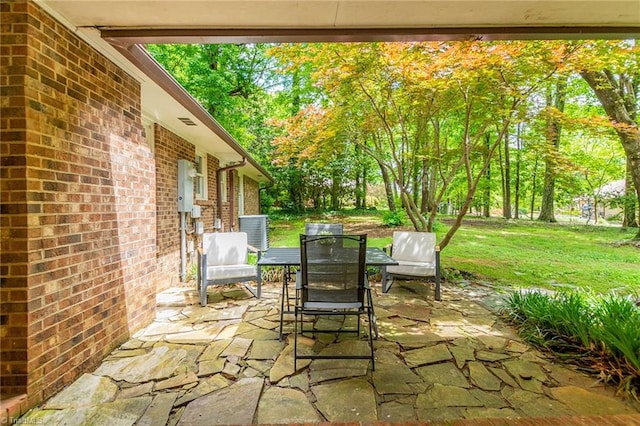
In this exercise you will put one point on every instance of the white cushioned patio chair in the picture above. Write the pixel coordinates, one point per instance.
(223, 259)
(418, 257)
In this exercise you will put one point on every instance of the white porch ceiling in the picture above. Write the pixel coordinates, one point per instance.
(336, 14)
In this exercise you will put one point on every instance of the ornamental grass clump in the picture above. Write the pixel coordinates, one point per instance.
(601, 333)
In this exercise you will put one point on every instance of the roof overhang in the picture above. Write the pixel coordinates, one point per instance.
(480, 18)
(166, 102)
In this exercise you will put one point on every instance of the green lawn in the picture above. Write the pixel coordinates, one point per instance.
(509, 253)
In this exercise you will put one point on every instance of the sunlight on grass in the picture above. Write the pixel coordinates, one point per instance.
(510, 253)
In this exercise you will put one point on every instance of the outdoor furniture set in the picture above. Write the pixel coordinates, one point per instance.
(330, 273)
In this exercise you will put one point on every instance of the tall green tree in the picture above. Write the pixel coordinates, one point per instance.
(555, 101)
(612, 70)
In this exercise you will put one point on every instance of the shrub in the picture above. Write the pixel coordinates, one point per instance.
(392, 218)
(602, 331)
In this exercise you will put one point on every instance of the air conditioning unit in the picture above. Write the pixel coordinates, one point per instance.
(257, 229)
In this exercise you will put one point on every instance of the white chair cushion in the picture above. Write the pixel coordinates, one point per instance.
(414, 246)
(230, 271)
(225, 248)
(418, 269)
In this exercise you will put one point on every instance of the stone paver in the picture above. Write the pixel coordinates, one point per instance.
(224, 364)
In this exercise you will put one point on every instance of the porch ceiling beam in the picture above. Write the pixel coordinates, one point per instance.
(128, 36)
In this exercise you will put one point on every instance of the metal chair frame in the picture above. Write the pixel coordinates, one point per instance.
(361, 304)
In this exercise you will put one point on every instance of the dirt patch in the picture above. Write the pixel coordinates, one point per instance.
(373, 230)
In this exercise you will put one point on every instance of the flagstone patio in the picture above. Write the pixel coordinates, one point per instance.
(435, 362)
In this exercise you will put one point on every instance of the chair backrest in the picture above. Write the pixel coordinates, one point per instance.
(333, 268)
(225, 248)
(317, 228)
(414, 246)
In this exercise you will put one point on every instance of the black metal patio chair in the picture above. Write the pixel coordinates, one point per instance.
(332, 281)
(289, 273)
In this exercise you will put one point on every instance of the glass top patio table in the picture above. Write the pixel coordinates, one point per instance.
(290, 256)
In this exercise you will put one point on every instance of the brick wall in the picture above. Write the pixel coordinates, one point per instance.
(251, 196)
(78, 206)
(169, 148)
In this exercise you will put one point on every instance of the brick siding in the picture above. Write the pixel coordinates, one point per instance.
(78, 206)
(90, 227)
(251, 196)
(169, 148)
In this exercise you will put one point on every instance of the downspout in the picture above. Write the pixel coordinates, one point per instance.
(218, 174)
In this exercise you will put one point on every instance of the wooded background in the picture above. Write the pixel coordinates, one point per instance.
(517, 127)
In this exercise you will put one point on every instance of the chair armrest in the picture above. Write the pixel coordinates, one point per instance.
(253, 249)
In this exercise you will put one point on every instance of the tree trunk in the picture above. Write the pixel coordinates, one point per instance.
(363, 190)
(424, 188)
(533, 189)
(630, 203)
(388, 187)
(517, 183)
(553, 146)
(506, 203)
(336, 185)
(359, 178)
(486, 205)
(619, 102)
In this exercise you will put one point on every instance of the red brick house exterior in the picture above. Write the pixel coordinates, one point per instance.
(90, 228)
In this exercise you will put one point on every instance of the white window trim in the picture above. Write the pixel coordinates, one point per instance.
(202, 176)
(240, 194)
(223, 187)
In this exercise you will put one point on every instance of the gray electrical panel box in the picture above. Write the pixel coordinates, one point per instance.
(257, 229)
(185, 186)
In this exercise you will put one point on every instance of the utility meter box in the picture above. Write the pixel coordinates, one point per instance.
(185, 186)
(199, 226)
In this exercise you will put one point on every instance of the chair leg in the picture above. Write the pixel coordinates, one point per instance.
(387, 282)
(286, 278)
(203, 293)
(371, 320)
(285, 290)
(295, 339)
(281, 319)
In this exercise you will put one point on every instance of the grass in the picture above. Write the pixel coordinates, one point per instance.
(519, 254)
(525, 254)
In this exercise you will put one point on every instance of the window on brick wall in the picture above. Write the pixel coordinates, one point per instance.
(241, 195)
(223, 186)
(200, 179)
